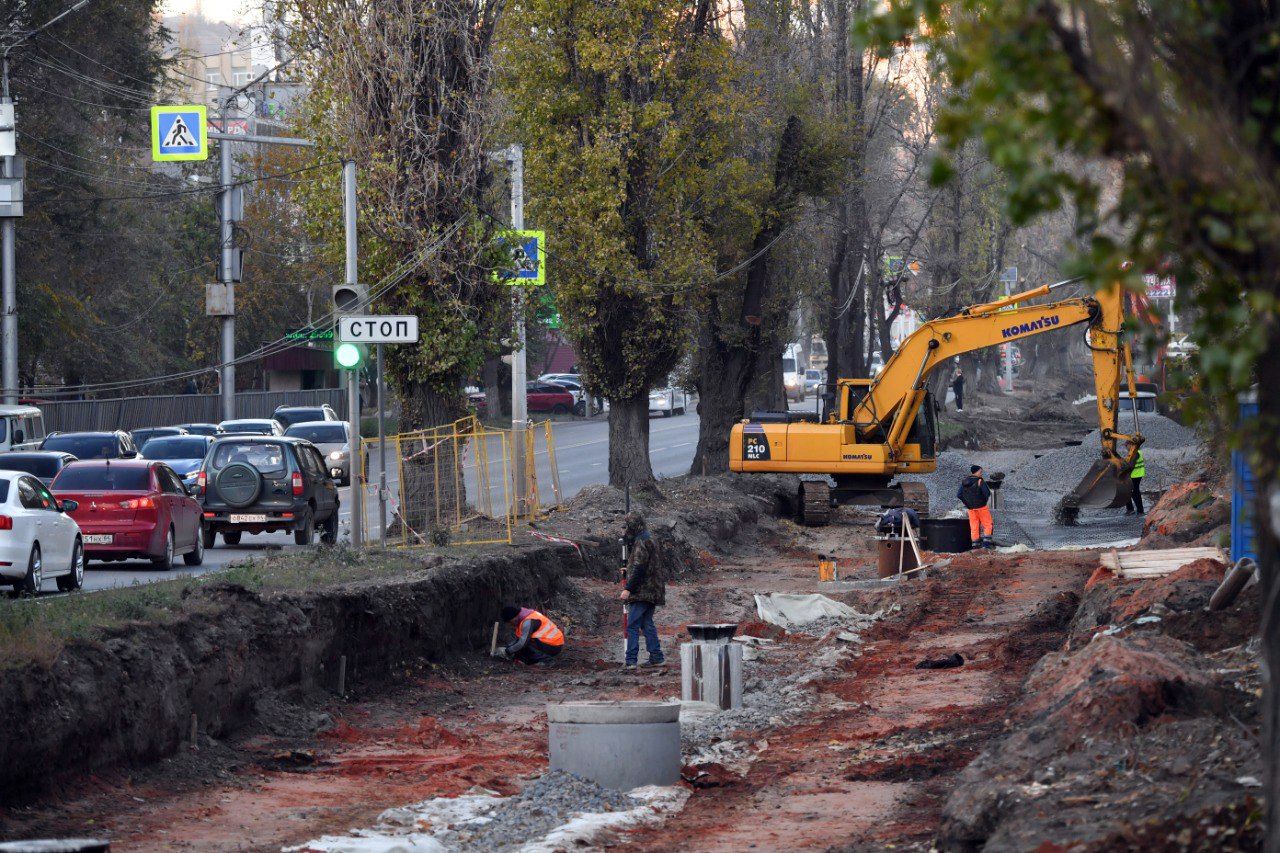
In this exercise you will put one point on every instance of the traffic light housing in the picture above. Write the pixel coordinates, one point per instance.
(350, 298)
(349, 356)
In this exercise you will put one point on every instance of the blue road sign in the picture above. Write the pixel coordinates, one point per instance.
(528, 265)
(179, 133)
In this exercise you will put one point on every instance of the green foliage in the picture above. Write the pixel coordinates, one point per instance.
(1153, 121)
(625, 110)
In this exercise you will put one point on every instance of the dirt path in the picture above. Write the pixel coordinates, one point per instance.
(867, 764)
(870, 765)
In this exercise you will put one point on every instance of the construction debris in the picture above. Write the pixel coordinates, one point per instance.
(1156, 564)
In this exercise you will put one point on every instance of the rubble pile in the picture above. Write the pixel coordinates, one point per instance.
(1144, 726)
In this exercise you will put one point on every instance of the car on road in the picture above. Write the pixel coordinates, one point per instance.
(132, 509)
(201, 429)
(142, 435)
(290, 415)
(570, 383)
(262, 484)
(38, 537)
(792, 373)
(813, 380)
(252, 426)
(21, 427)
(44, 465)
(332, 439)
(668, 401)
(116, 444)
(183, 453)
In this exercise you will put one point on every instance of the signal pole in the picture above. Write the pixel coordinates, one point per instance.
(355, 453)
(226, 238)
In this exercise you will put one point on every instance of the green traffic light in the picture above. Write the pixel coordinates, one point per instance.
(347, 355)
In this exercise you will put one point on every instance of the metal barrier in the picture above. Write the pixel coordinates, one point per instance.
(165, 410)
(454, 484)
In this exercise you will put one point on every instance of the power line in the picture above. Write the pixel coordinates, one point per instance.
(213, 189)
(390, 280)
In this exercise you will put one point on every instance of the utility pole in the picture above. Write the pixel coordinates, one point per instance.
(8, 225)
(226, 238)
(354, 448)
(519, 391)
(1010, 278)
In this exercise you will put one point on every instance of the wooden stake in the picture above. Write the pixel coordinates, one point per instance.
(493, 641)
(342, 676)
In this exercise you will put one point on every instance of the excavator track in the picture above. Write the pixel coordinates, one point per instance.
(916, 496)
(815, 503)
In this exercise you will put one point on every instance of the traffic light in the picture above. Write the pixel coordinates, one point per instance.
(349, 356)
(350, 298)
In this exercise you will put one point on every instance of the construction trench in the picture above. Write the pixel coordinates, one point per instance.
(1018, 699)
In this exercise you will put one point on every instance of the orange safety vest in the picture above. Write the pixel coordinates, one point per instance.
(547, 632)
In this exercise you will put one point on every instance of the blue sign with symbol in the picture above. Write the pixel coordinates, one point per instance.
(528, 266)
(179, 133)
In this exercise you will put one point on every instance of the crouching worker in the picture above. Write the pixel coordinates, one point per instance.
(538, 639)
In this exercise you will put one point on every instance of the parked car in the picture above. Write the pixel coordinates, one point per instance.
(570, 383)
(38, 539)
(252, 426)
(290, 415)
(668, 401)
(116, 444)
(560, 378)
(261, 484)
(813, 381)
(549, 397)
(183, 453)
(142, 435)
(133, 509)
(21, 427)
(44, 465)
(332, 439)
(202, 429)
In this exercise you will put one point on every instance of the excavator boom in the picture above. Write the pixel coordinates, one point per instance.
(883, 427)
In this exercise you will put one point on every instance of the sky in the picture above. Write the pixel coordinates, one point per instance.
(233, 11)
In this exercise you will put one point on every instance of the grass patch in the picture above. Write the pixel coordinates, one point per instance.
(36, 630)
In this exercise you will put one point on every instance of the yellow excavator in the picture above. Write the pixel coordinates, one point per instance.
(883, 427)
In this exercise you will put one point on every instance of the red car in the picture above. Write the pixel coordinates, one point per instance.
(135, 508)
(542, 396)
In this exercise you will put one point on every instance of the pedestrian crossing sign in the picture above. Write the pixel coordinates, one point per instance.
(179, 133)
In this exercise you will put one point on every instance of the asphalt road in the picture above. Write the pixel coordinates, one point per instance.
(582, 455)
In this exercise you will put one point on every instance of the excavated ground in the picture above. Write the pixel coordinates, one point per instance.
(1090, 713)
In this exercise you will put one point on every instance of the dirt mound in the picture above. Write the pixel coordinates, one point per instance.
(1118, 681)
(1189, 588)
(1186, 513)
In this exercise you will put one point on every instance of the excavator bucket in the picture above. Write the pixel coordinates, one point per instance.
(1107, 485)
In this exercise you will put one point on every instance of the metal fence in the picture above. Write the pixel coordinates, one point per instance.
(454, 484)
(134, 412)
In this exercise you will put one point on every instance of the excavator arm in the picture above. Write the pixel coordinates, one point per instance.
(890, 405)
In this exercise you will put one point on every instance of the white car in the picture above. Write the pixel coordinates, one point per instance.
(668, 402)
(38, 540)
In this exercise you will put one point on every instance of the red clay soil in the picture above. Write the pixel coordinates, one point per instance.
(868, 766)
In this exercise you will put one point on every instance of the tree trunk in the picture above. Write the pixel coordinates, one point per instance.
(434, 489)
(494, 406)
(629, 442)
(721, 381)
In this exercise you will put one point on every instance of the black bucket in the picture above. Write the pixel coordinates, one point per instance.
(946, 535)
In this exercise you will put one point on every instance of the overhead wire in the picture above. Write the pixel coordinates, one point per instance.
(388, 281)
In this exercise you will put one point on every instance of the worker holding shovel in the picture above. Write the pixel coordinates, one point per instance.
(645, 591)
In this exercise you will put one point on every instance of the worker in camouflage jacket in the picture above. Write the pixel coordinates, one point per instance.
(646, 590)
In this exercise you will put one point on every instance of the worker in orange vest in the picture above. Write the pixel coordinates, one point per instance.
(538, 639)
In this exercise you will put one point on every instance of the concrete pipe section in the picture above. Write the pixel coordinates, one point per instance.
(619, 745)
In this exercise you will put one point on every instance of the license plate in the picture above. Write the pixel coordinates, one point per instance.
(248, 519)
(99, 539)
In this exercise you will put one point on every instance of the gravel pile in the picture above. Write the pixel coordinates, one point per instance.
(549, 802)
